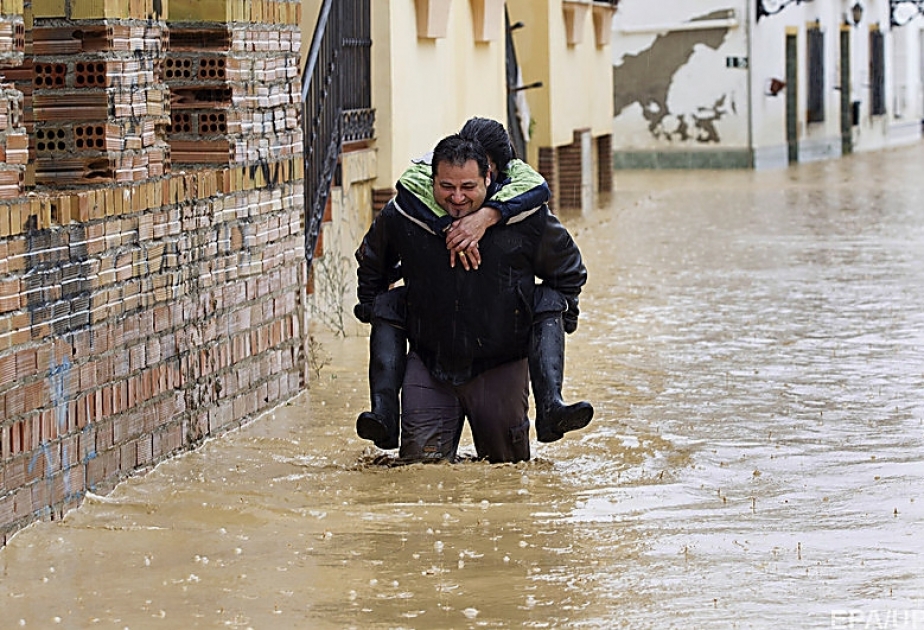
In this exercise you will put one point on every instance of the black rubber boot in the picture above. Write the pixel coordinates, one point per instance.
(387, 361)
(546, 372)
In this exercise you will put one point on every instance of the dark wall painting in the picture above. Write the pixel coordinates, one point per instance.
(647, 76)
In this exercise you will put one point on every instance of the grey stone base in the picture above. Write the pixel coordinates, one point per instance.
(816, 150)
(767, 158)
(729, 159)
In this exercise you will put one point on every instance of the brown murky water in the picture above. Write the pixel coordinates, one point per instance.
(754, 345)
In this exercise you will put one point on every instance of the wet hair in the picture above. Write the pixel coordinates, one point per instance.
(492, 136)
(456, 151)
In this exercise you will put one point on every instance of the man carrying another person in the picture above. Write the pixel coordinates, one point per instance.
(470, 332)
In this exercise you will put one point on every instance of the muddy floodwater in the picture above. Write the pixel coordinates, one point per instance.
(754, 346)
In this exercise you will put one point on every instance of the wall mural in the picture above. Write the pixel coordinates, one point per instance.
(647, 76)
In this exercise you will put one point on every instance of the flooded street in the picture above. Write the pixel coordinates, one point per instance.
(754, 346)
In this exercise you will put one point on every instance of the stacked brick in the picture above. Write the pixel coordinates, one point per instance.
(14, 141)
(233, 72)
(18, 72)
(136, 320)
(12, 33)
(564, 169)
(137, 317)
(99, 104)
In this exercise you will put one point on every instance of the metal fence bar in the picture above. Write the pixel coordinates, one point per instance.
(337, 99)
(358, 115)
(321, 118)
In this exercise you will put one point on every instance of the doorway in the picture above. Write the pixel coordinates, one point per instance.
(846, 107)
(792, 96)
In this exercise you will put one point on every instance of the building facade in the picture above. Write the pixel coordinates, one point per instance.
(541, 66)
(764, 83)
(566, 46)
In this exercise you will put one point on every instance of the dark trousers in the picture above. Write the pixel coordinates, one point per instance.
(495, 403)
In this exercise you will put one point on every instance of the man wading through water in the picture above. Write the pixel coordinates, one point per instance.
(471, 326)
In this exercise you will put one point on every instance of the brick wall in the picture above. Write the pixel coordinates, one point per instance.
(563, 168)
(380, 198)
(569, 174)
(548, 168)
(147, 310)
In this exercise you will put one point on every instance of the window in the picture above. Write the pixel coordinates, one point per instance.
(877, 105)
(816, 75)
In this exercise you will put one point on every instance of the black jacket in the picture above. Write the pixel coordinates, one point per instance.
(459, 322)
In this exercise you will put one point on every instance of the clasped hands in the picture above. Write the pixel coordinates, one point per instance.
(463, 235)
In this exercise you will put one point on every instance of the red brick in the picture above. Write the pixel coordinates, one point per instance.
(26, 364)
(43, 356)
(131, 393)
(220, 416)
(82, 413)
(10, 295)
(63, 351)
(128, 457)
(32, 437)
(105, 400)
(48, 425)
(75, 479)
(104, 370)
(41, 498)
(159, 379)
(102, 469)
(168, 440)
(86, 376)
(7, 368)
(143, 387)
(120, 397)
(152, 351)
(69, 449)
(14, 475)
(71, 418)
(104, 436)
(22, 503)
(58, 488)
(144, 447)
(4, 440)
(7, 513)
(14, 438)
(86, 445)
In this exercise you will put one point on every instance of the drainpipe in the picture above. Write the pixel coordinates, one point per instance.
(747, 34)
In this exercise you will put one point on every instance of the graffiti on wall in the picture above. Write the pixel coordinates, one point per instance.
(646, 79)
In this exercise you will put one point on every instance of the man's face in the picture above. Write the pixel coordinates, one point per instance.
(459, 190)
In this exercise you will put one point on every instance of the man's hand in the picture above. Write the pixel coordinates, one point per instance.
(463, 235)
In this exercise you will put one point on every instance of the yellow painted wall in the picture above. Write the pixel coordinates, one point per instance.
(577, 79)
(424, 89)
(310, 11)
(533, 54)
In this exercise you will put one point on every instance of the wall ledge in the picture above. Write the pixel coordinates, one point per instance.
(603, 13)
(487, 19)
(432, 18)
(575, 13)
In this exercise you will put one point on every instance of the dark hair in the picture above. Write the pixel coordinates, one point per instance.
(492, 136)
(457, 150)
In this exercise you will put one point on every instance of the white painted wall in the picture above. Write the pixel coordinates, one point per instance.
(906, 52)
(697, 86)
(758, 120)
